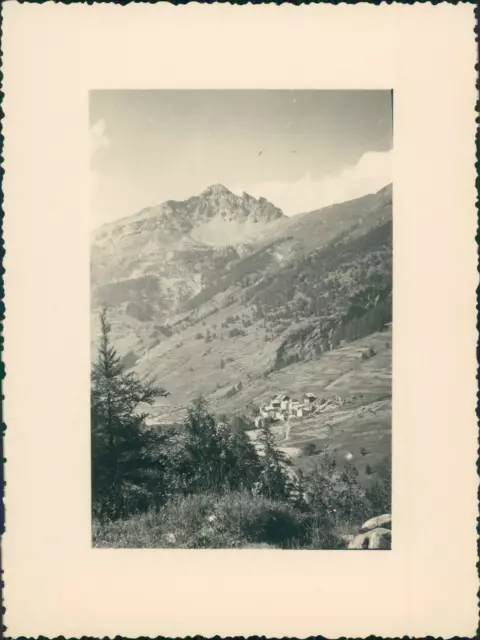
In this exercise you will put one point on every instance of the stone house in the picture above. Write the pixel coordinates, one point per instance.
(259, 422)
(309, 398)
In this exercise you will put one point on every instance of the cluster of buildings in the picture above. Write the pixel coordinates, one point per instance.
(284, 407)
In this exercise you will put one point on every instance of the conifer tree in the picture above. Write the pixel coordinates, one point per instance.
(127, 459)
(242, 462)
(202, 465)
(350, 499)
(274, 478)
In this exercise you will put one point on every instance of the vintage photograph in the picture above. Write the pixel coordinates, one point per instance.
(241, 318)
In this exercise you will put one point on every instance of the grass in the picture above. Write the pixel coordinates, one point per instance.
(235, 520)
(339, 372)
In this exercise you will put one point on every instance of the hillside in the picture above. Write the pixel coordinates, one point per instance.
(146, 265)
(224, 296)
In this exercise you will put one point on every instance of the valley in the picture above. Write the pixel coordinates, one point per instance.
(225, 297)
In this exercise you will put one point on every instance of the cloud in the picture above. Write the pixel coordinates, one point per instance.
(372, 172)
(99, 141)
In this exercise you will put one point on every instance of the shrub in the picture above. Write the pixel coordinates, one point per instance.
(378, 497)
(351, 504)
(232, 520)
(321, 537)
(216, 456)
(235, 519)
(258, 519)
(309, 449)
(233, 333)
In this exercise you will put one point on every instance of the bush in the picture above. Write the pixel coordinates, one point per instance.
(236, 519)
(309, 449)
(232, 520)
(233, 333)
(378, 497)
(321, 537)
(257, 519)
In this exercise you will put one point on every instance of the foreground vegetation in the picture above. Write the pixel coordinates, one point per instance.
(206, 485)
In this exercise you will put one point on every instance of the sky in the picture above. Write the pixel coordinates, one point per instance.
(301, 150)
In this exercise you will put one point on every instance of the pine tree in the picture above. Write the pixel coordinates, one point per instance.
(242, 462)
(202, 465)
(127, 461)
(275, 482)
(351, 496)
(218, 455)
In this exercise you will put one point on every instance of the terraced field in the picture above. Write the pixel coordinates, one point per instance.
(355, 419)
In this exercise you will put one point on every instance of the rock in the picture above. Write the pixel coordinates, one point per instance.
(377, 539)
(170, 538)
(384, 521)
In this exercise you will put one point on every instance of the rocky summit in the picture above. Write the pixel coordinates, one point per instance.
(145, 266)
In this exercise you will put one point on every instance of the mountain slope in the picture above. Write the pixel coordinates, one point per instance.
(145, 266)
(216, 320)
(304, 310)
(223, 296)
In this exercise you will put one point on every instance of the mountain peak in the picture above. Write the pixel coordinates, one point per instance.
(216, 189)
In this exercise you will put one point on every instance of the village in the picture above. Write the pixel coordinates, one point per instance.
(284, 407)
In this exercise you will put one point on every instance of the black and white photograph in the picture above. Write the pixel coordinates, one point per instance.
(241, 309)
(240, 334)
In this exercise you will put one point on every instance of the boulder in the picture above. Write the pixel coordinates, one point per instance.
(384, 521)
(170, 538)
(377, 539)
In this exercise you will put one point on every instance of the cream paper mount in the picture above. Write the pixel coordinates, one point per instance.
(56, 583)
